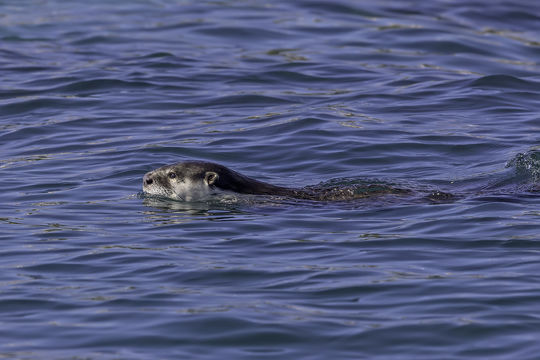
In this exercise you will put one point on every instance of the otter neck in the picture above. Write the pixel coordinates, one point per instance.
(233, 181)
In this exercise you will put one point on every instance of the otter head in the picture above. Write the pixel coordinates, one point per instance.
(186, 181)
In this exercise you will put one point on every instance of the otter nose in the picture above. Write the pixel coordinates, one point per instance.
(147, 179)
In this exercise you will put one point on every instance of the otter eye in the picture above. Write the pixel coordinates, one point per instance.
(172, 175)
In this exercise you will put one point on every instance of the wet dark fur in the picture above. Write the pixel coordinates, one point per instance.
(233, 181)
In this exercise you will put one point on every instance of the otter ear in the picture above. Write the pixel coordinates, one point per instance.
(210, 177)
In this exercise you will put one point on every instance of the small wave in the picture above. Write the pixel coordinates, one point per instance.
(527, 165)
(248, 100)
(504, 82)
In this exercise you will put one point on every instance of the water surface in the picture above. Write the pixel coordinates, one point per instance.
(429, 95)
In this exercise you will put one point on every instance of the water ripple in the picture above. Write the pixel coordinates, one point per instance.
(425, 95)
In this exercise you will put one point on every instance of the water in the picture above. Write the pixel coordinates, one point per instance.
(430, 95)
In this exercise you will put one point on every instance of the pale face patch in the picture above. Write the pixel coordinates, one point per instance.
(155, 188)
(156, 191)
(188, 190)
(172, 183)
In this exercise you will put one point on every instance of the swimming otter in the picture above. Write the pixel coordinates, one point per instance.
(196, 180)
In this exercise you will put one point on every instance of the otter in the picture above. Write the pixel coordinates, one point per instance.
(197, 180)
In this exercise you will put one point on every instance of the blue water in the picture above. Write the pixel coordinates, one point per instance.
(428, 95)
